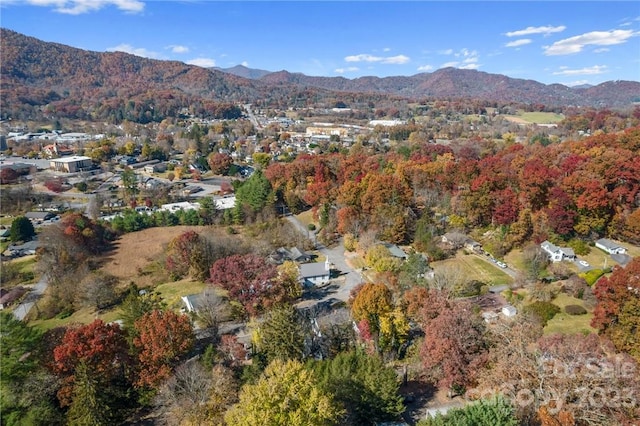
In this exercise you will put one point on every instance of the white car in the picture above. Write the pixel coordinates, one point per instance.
(501, 264)
(584, 263)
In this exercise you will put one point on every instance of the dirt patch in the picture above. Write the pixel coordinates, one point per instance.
(134, 254)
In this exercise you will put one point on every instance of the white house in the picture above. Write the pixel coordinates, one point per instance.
(316, 273)
(610, 247)
(558, 254)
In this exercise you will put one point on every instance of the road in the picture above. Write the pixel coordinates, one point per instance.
(21, 311)
(348, 279)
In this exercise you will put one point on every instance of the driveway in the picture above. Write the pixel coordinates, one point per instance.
(21, 311)
(348, 278)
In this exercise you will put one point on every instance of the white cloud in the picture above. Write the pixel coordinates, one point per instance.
(594, 70)
(244, 63)
(386, 49)
(596, 38)
(138, 51)
(467, 60)
(78, 7)
(364, 57)
(577, 83)
(344, 70)
(520, 42)
(546, 30)
(601, 50)
(176, 48)
(399, 60)
(202, 62)
(424, 68)
(446, 52)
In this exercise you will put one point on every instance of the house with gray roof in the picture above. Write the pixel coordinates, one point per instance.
(316, 273)
(557, 254)
(610, 247)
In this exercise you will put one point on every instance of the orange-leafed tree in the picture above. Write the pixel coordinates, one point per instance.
(101, 348)
(164, 337)
(617, 314)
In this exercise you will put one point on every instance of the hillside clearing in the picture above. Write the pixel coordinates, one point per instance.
(136, 257)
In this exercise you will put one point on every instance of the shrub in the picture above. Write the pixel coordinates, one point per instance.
(81, 186)
(592, 276)
(580, 247)
(545, 311)
(575, 310)
(311, 227)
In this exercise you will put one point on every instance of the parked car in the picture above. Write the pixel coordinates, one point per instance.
(584, 263)
(501, 264)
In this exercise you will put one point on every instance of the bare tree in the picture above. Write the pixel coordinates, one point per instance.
(212, 309)
(195, 395)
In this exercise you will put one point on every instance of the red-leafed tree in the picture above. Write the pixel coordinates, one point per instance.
(101, 347)
(455, 346)
(188, 254)
(164, 337)
(617, 314)
(8, 175)
(561, 215)
(506, 207)
(249, 280)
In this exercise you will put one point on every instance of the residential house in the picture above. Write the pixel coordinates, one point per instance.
(192, 302)
(12, 296)
(316, 273)
(610, 247)
(558, 254)
(38, 217)
(396, 251)
(155, 168)
(56, 150)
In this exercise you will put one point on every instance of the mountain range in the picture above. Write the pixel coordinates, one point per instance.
(36, 75)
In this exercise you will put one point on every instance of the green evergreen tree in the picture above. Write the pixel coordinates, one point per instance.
(87, 408)
(282, 334)
(255, 192)
(22, 229)
(494, 412)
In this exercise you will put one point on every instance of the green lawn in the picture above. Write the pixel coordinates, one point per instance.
(569, 324)
(474, 268)
(172, 292)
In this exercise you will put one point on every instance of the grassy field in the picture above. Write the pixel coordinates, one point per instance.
(82, 316)
(535, 117)
(569, 324)
(474, 268)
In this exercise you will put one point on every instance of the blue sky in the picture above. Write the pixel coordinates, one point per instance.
(573, 42)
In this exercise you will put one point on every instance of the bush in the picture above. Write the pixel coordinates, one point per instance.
(580, 247)
(311, 227)
(575, 310)
(81, 186)
(592, 276)
(545, 311)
